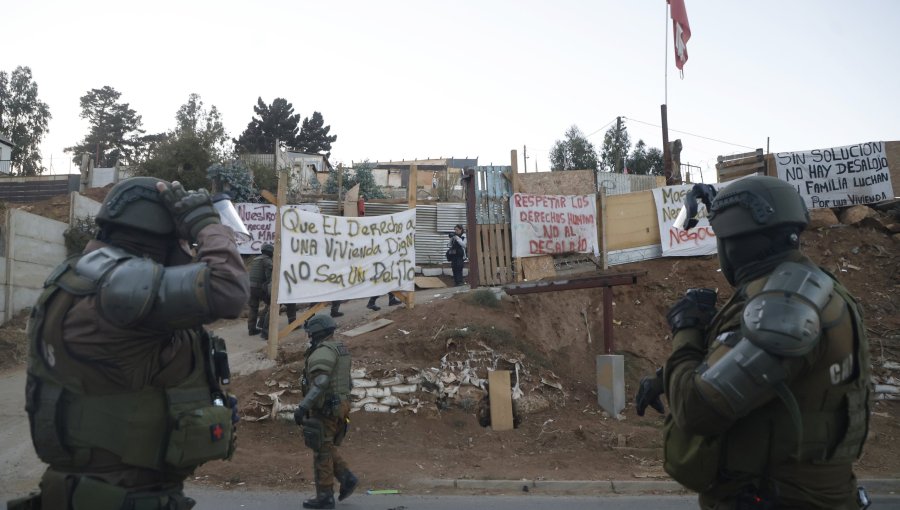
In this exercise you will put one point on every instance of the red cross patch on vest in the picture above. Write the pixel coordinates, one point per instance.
(216, 432)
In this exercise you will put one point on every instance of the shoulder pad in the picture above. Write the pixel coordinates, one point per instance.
(322, 359)
(784, 318)
(96, 264)
(128, 291)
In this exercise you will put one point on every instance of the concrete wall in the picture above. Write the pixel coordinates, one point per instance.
(81, 206)
(32, 246)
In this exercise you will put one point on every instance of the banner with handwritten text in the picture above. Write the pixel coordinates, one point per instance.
(700, 240)
(839, 176)
(553, 224)
(330, 258)
(260, 222)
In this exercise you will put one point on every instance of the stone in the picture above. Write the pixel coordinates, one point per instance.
(856, 214)
(822, 218)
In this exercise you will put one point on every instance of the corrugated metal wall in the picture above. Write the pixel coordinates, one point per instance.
(433, 223)
(619, 184)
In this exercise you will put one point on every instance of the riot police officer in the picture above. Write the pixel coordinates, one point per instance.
(769, 396)
(325, 409)
(124, 390)
(260, 272)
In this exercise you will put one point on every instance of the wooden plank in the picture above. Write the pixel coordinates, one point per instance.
(280, 200)
(756, 166)
(892, 152)
(500, 394)
(482, 257)
(410, 297)
(632, 221)
(372, 326)
(429, 282)
(268, 196)
(731, 177)
(507, 261)
(515, 183)
(538, 268)
(492, 229)
(570, 182)
(757, 152)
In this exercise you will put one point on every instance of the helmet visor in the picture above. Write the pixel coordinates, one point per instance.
(230, 218)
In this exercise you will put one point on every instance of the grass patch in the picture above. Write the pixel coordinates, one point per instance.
(483, 297)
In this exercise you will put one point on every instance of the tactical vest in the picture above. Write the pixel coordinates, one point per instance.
(333, 358)
(172, 429)
(260, 271)
(833, 418)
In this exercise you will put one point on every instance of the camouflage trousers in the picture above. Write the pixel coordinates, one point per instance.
(327, 462)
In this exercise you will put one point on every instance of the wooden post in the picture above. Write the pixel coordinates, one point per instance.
(601, 227)
(516, 186)
(276, 260)
(340, 189)
(608, 343)
(472, 240)
(409, 297)
(667, 153)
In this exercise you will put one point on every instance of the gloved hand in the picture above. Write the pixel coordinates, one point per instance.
(695, 310)
(232, 403)
(191, 210)
(649, 391)
(300, 414)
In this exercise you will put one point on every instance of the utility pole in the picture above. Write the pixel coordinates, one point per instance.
(525, 157)
(667, 153)
(618, 147)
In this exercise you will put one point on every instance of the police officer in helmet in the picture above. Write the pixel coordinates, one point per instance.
(325, 410)
(769, 395)
(260, 272)
(124, 389)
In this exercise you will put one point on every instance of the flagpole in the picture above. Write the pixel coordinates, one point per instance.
(666, 53)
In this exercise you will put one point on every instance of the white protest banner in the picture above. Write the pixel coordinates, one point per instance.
(553, 224)
(330, 258)
(260, 222)
(700, 240)
(838, 177)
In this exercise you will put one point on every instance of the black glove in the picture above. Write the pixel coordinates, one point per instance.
(695, 310)
(191, 210)
(233, 403)
(300, 414)
(648, 393)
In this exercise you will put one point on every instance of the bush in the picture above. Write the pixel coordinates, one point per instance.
(78, 234)
(483, 297)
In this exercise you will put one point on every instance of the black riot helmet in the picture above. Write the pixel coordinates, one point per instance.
(320, 327)
(135, 203)
(755, 219)
(756, 203)
(267, 249)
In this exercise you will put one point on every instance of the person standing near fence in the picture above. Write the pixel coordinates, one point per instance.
(456, 254)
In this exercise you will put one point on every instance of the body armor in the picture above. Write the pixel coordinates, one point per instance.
(332, 358)
(260, 271)
(78, 416)
(812, 432)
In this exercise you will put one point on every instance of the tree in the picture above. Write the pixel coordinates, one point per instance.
(205, 126)
(616, 144)
(573, 153)
(277, 121)
(643, 161)
(235, 179)
(23, 119)
(186, 153)
(361, 174)
(314, 137)
(114, 132)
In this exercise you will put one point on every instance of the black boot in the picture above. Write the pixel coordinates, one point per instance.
(252, 331)
(323, 499)
(348, 485)
(394, 301)
(372, 306)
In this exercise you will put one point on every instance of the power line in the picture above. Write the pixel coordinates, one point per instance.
(601, 129)
(692, 134)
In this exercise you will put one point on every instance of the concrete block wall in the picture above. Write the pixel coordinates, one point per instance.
(81, 206)
(33, 246)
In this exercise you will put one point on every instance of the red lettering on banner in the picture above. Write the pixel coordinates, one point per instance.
(695, 235)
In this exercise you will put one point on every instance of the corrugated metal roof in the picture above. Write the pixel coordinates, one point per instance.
(450, 215)
(619, 184)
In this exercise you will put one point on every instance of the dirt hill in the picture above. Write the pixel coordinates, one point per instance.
(564, 435)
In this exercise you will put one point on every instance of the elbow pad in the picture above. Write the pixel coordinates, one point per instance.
(182, 300)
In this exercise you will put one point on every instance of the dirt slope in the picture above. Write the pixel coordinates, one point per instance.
(570, 438)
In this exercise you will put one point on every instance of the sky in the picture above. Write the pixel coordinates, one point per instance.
(403, 79)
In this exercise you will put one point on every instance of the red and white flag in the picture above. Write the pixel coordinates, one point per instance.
(682, 32)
